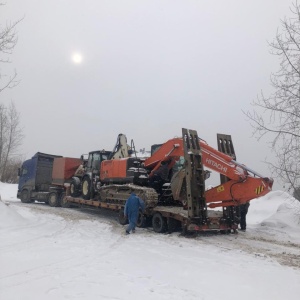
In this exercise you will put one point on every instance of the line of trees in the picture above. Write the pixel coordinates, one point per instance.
(278, 114)
(11, 134)
(10, 139)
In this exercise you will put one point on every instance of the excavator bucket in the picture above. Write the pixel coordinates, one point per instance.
(195, 186)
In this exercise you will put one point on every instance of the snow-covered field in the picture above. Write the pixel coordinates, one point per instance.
(56, 253)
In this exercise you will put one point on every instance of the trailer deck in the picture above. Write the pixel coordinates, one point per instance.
(170, 213)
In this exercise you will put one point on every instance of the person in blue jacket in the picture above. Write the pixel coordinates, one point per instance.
(131, 210)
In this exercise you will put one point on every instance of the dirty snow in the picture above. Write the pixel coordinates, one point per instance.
(55, 253)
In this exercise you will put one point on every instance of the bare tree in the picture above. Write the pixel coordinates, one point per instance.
(11, 137)
(11, 171)
(8, 41)
(10, 131)
(296, 193)
(278, 114)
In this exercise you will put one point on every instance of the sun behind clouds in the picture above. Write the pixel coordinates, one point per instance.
(77, 58)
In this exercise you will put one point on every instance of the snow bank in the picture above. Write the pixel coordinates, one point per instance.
(9, 217)
(264, 207)
(8, 191)
(276, 211)
(287, 214)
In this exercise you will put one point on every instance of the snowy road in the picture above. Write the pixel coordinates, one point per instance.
(258, 241)
(55, 253)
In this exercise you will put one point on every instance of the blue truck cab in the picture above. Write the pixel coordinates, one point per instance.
(35, 178)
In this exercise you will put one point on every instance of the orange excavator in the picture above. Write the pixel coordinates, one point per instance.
(240, 184)
(178, 194)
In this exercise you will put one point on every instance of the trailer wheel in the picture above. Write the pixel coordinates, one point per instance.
(63, 202)
(75, 187)
(53, 199)
(225, 231)
(25, 196)
(173, 225)
(86, 188)
(142, 220)
(159, 223)
(122, 219)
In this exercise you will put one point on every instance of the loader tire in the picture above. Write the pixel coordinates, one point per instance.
(25, 196)
(159, 223)
(63, 202)
(122, 219)
(75, 187)
(53, 199)
(86, 188)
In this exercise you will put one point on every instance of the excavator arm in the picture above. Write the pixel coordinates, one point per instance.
(243, 184)
(211, 158)
(121, 149)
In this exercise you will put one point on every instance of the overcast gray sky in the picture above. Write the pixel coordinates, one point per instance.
(142, 68)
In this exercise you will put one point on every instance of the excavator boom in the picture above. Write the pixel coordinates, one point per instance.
(242, 184)
(211, 158)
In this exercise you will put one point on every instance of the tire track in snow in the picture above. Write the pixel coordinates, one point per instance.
(287, 254)
(69, 218)
(255, 242)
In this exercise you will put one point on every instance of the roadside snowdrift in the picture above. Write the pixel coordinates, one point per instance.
(275, 205)
(8, 191)
(276, 211)
(9, 217)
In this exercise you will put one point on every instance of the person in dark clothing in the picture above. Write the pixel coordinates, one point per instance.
(159, 176)
(243, 212)
(131, 210)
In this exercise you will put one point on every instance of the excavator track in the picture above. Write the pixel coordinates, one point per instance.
(118, 194)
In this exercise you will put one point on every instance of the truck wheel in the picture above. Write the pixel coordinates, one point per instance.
(142, 220)
(63, 202)
(159, 223)
(122, 219)
(25, 196)
(86, 188)
(75, 187)
(53, 200)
